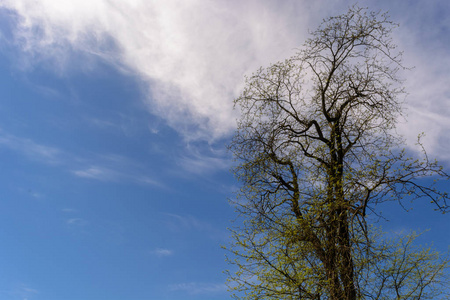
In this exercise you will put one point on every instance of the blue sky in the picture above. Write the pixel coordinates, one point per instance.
(114, 116)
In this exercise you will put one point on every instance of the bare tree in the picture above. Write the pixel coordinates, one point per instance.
(317, 151)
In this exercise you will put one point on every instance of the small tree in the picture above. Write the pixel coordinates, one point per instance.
(317, 152)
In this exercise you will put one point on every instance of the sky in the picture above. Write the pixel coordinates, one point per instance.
(114, 121)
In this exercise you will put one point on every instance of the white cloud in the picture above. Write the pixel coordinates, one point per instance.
(428, 102)
(423, 35)
(191, 55)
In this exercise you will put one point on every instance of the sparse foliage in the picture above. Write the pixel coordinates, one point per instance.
(317, 152)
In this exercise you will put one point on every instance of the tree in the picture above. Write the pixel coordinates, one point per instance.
(317, 151)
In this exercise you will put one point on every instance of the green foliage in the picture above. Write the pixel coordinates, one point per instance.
(273, 267)
(317, 152)
(397, 269)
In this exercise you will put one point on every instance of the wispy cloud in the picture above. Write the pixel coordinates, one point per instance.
(149, 181)
(182, 223)
(31, 149)
(186, 222)
(123, 123)
(162, 252)
(428, 102)
(111, 167)
(203, 163)
(195, 288)
(20, 291)
(31, 192)
(78, 222)
(29, 290)
(96, 172)
(35, 194)
(102, 123)
(120, 173)
(105, 167)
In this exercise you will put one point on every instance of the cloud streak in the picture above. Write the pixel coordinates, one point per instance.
(185, 223)
(31, 149)
(95, 172)
(106, 167)
(77, 222)
(203, 164)
(161, 252)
